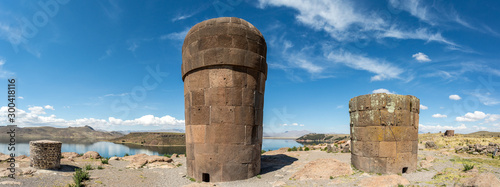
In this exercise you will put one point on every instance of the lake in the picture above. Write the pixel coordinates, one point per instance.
(108, 149)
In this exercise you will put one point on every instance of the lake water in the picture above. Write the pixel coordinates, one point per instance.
(108, 149)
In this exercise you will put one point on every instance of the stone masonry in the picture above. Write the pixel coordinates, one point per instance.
(384, 132)
(224, 71)
(45, 154)
(449, 133)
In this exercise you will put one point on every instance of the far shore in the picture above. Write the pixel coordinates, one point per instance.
(281, 138)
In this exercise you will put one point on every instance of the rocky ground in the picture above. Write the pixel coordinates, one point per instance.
(437, 167)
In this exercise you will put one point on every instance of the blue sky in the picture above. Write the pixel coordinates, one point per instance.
(116, 65)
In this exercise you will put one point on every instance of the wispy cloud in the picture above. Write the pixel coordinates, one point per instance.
(486, 98)
(176, 35)
(434, 128)
(107, 54)
(382, 70)
(182, 17)
(4, 73)
(423, 107)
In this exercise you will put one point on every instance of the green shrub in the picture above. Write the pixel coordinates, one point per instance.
(100, 167)
(468, 167)
(167, 155)
(259, 177)
(331, 177)
(105, 161)
(80, 176)
(126, 154)
(300, 148)
(192, 179)
(262, 151)
(306, 149)
(88, 167)
(179, 165)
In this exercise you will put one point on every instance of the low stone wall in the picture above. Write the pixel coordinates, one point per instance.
(45, 154)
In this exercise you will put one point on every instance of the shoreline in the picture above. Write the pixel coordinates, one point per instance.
(281, 138)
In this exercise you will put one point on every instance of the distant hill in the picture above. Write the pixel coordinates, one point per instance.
(159, 130)
(152, 138)
(52, 133)
(287, 134)
(314, 137)
(483, 134)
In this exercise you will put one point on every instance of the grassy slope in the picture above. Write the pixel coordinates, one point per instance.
(60, 133)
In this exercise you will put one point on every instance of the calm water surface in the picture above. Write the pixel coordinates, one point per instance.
(108, 149)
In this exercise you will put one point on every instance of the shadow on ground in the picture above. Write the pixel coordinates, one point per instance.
(270, 163)
(68, 168)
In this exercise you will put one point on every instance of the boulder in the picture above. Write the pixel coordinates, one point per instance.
(384, 181)
(91, 154)
(430, 145)
(483, 180)
(69, 155)
(114, 158)
(323, 169)
(140, 160)
(174, 156)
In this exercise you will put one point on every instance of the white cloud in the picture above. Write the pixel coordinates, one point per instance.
(421, 57)
(382, 69)
(20, 97)
(423, 107)
(36, 118)
(340, 106)
(492, 118)
(36, 110)
(293, 124)
(49, 107)
(308, 66)
(477, 115)
(176, 35)
(382, 90)
(455, 97)
(479, 128)
(428, 128)
(439, 116)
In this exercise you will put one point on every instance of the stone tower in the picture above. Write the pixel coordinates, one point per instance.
(224, 71)
(384, 132)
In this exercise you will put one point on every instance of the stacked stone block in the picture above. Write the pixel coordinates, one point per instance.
(449, 133)
(224, 71)
(45, 154)
(384, 132)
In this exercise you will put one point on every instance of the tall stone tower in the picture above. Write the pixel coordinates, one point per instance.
(384, 132)
(224, 71)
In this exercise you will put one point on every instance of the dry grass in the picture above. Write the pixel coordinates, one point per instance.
(457, 140)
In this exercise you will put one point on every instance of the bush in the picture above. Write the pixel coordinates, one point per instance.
(88, 167)
(300, 149)
(262, 151)
(306, 149)
(126, 154)
(105, 161)
(80, 176)
(167, 155)
(100, 167)
(468, 167)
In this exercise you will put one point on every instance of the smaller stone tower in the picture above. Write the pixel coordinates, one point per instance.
(384, 132)
(45, 154)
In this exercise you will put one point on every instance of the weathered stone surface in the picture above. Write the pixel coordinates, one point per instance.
(384, 181)
(430, 145)
(323, 169)
(45, 154)
(483, 180)
(70, 154)
(384, 132)
(91, 154)
(224, 71)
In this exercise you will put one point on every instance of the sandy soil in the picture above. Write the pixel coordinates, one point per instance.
(277, 170)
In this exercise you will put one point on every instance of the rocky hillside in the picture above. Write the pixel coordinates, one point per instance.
(313, 137)
(86, 132)
(153, 138)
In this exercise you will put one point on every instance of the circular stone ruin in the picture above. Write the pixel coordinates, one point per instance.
(224, 71)
(384, 132)
(45, 154)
